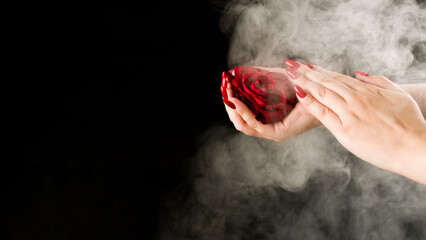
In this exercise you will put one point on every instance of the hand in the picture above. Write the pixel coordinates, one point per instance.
(298, 121)
(370, 116)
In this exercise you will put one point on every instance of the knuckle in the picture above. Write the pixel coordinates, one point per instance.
(309, 101)
(323, 79)
(304, 70)
(352, 99)
(336, 75)
(348, 127)
(260, 130)
(383, 78)
(378, 92)
(367, 99)
(302, 81)
(359, 99)
(251, 134)
(245, 115)
(322, 92)
(347, 130)
(325, 112)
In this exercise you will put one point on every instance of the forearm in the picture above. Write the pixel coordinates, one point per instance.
(414, 161)
(418, 92)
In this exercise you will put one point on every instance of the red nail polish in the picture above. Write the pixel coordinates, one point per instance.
(223, 89)
(230, 104)
(292, 73)
(226, 101)
(292, 64)
(222, 92)
(308, 65)
(223, 80)
(299, 91)
(225, 93)
(362, 73)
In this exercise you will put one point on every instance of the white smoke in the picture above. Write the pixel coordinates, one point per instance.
(374, 36)
(307, 187)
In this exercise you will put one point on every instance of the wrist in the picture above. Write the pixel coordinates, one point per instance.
(413, 161)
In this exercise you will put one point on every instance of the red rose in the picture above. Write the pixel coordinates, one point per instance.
(269, 95)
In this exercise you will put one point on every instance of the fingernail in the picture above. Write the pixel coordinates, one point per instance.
(299, 91)
(229, 76)
(292, 73)
(307, 64)
(225, 96)
(292, 64)
(223, 80)
(223, 92)
(230, 104)
(362, 73)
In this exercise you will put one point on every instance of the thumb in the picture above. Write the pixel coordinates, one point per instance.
(246, 114)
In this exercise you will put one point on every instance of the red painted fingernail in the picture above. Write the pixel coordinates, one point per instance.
(222, 92)
(292, 64)
(308, 65)
(362, 73)
(224, 80)
(299, 91)
(292, 73)
(225, 99)
(223, 89)
(225, 93)
(230, 104)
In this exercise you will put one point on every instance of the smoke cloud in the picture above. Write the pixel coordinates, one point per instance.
(308, 187)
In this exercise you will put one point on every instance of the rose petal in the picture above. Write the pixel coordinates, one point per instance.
(269, 95)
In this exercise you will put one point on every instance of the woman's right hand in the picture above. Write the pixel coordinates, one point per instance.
(371, 117)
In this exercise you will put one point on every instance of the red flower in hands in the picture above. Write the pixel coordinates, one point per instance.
(269, 95)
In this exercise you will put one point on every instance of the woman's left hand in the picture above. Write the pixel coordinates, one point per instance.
(297, 122)
(370, 116)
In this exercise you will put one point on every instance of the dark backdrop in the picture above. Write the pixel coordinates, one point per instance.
(112, 104)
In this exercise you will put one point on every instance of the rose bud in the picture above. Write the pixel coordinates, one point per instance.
(269, 95)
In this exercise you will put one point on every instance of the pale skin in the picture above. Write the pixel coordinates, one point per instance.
(380, 122)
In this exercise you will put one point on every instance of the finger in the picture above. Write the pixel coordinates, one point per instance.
(252, 126)
(336, 86)
(231, 73)
(349, 81)
(344, 79)
(246, 114)
(224, 89)
(228, 87)
(322, 93)
(244, 120)
(324, 114)
(225, 98)
(239, 123)
(263, 130)
(378, 81)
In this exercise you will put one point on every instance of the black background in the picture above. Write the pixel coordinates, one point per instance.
(111, 107)
(108, 106)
